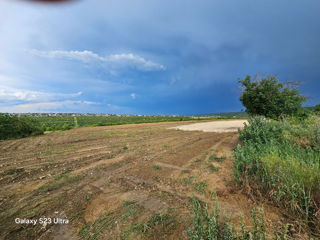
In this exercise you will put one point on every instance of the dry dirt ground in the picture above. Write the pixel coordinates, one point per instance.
(214, 126)
(118, 182)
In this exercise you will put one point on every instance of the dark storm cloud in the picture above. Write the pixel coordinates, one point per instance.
(204, 47)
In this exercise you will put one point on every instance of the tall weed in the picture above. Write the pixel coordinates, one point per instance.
(281, 160)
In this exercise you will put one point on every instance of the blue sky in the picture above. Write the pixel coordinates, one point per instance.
(152, 57)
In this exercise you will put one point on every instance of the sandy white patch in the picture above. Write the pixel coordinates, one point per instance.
(214, 126)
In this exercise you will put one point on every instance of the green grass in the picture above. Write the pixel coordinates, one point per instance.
(212, 168)
(157, 167)
(76, 215)
(58, 182)
(54, 123)
(196, 160)
(40, 207)
(128, 210)
(88, 197)
(197, 186)
(200, 187)
(12, 171)
(212, 225)
(217, 159)
(155, 226)
(48, 153)
(281, 160)
(125, 148)
(188, 180)
(63, 174)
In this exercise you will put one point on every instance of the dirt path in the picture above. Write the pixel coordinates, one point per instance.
(118, 182)
(214, 126)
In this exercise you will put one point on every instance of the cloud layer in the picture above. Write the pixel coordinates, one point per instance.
(8, 94)
(148, 57)
(52, 106)
(115, 60)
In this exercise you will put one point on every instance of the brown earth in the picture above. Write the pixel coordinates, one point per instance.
(118, 182)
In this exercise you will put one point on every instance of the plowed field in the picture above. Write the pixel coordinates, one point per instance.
(118, 182)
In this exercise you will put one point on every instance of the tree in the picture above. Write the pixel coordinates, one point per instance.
(12, 126)
(270, 98)
(316, 108)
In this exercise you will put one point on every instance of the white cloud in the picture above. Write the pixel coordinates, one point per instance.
(47, 106)
(135, 61)
(133, 95)
(13, 94)
(114, 61)
(84, 56)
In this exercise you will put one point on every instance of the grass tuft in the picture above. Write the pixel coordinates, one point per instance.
(157, 167)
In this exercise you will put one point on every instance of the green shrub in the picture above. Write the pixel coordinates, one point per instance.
(12, 126)
(281, 160)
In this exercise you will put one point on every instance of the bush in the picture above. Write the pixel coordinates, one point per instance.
(281, 160)
(12, 126)
(316, 108)
(268, 97)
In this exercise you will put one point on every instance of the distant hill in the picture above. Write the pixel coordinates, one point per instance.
(315, 108)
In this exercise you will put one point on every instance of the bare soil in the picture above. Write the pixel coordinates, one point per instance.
(118, 182)
(214, 126)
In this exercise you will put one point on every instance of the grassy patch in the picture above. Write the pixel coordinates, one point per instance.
(63, 174)
(153, 227)
(197, 186)
(157, 167)
(76, 215)
(58, 182)
(200, 187)
(213, 225)
(196, 160)
(217, 159)
(48, 153)
(212, 168)
(281, 160)
(127, 210)
(188, 180)
(12, 171)
(34, 211)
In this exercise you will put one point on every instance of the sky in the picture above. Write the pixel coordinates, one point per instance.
(179, 57)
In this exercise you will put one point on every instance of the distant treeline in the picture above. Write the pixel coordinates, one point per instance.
(68, 122)
(228, 114)
(315, 108)
(12, 126)
(243, 114)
